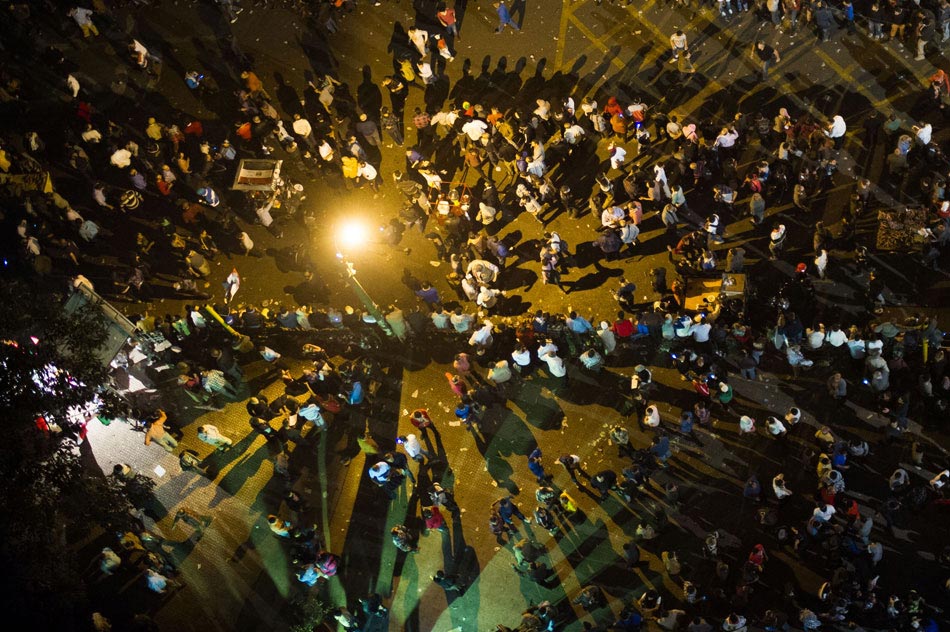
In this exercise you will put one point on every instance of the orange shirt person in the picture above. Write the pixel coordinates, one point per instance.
(156, 432)
(252, 82)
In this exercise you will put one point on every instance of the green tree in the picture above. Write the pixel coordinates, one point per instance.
(309, 612)
(48, 365)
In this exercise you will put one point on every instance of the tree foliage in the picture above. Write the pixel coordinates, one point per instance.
(40, 340)
(309, 612)
(49, 499)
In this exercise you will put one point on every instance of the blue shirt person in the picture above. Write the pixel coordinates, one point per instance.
(504, 18)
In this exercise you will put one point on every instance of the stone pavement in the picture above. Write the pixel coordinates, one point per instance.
(236, 573)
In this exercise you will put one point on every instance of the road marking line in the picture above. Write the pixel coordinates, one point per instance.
(566, 13)
(593, 38)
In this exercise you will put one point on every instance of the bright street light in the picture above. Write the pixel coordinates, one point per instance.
(351, 235)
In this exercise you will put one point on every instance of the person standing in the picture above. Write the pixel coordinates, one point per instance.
(448, 583)
(669, 218)
(825, 20)
(109, 561)
(923, 133)
(156, 432)
(368, 172)
(304, 131)
(679, 45)
(775, 11)
(821, 263)
(766, 55)
(504, 18)
(782, 492)
(836, 130)
(398, 91)
(621, 438)
(215, 383)
(231, 285)
(753, 489)
(507, 509)
(757, 208)
(875, 293)
(660, 449)
(572, 463)
(518, 8)
(838, 389)
(725, 395)
(775, 428)
(404, 539)
(83, 18)
(368, 130)
(925, 31)
(536, 467)
(735, 260)
(776, 240)
(253, 84)
(312, 413)
(246, 243)
(556, 365)
(410, 443)
(446, 17)
(392, 125)
(346, 619)
(213, 437)
(156, 582)
(419, 39)
(747, 365)
(424, 132)
(421, 420)
(550, 269)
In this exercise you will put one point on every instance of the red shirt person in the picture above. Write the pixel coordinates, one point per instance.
(447, 18)
(165, 188)
(459, 387)
(433, 519)
(420, 419)
(613, 107)
(623, 326)
(758, 557)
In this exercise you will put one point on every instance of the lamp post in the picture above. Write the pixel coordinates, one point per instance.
(352, 235)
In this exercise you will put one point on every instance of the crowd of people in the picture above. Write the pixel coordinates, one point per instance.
(113, 189)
